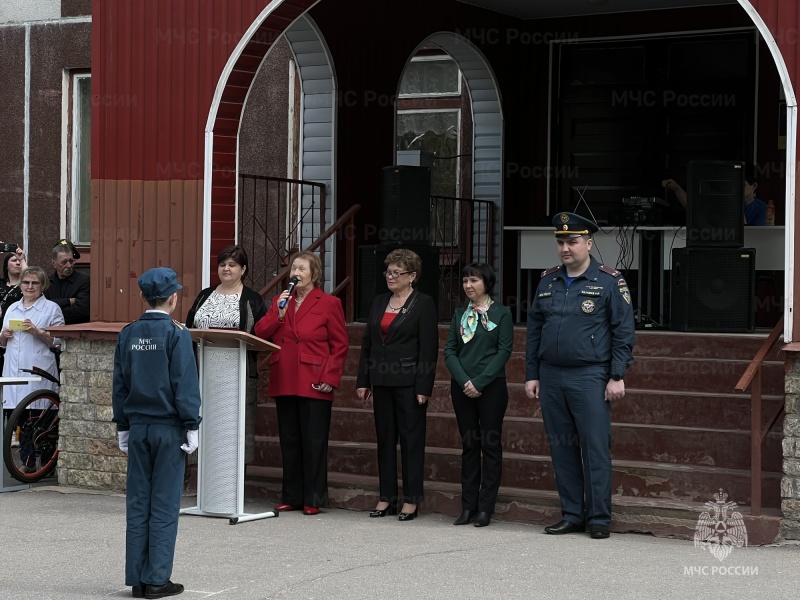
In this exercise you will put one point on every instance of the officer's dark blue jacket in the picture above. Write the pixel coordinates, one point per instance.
(155, 374)
(589, 323)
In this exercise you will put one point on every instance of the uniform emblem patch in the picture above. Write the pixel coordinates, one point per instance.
(587, 306)
(627, 295)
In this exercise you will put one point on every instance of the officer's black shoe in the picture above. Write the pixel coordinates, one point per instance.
(598, 532)
(465, 518)
(138, 591)
(564, 527)
(162, 591)
(482, 519)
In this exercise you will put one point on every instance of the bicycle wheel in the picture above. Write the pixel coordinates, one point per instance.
(35, 421)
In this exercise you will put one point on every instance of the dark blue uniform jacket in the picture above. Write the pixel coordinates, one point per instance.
(589, 323)
(155, 374)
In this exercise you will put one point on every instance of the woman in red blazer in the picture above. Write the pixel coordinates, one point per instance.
(311, 332)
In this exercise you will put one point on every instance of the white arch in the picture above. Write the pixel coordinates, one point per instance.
(791, 163)
(487, 131)
(208, 158)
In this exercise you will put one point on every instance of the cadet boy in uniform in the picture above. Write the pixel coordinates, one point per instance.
(579, 345)
(156, 401)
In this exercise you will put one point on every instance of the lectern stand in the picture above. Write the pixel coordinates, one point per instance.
(222, 360)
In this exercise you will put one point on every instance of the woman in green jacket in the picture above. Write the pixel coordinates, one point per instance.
(478, 347)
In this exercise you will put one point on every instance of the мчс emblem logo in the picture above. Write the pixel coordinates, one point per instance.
(720, 529)
(587, 306)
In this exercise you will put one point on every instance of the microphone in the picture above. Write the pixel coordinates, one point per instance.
(292, 282)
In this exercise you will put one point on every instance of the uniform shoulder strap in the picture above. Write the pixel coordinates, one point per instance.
(551, 270)
(610, 271)
(178, 325)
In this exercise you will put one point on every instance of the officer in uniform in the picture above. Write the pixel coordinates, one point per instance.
(156, 402)
(580, 343)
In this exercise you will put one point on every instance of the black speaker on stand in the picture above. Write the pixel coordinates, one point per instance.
(715, 204)
(371, 281)
(713, 290)
(406, 205)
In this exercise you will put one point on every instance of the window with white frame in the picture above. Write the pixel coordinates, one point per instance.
(429, 120)
(79, 202)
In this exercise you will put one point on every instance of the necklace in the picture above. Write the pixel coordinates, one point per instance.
(399, 307)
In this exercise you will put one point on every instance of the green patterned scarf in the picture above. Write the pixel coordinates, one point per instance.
(470, 318)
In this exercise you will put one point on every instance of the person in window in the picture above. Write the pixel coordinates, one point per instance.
(755, 209)
(232, 305)
(478, 347)
(397, 367)
(303, 375)
(68, 288)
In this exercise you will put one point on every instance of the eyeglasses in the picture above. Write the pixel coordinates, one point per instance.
(31, 283)
(395, 274)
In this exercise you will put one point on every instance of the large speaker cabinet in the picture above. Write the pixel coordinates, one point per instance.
(715, 204)
(371, 281)
(406, 205)
(713, 290)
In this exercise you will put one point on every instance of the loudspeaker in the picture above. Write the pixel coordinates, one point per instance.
(713, 290)
(406, 205)
(715, 204)
(371, 281)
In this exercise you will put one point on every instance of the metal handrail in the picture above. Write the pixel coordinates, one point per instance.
(752, 375)
(282, 236)
(347, 283)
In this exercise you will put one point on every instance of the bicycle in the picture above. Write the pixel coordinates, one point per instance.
(34, 454)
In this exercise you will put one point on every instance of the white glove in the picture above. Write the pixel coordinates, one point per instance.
(191, 441)
(123, 440)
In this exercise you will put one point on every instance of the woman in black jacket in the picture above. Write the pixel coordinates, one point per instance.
(398, 367)
(232, 305)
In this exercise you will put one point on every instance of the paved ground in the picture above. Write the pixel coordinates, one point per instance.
(63, 544)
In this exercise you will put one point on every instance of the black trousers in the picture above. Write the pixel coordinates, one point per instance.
(480, 422)
(399, 415)
(303, 427)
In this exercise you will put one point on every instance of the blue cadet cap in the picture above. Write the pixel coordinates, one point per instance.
(569, 224)
(160, 282)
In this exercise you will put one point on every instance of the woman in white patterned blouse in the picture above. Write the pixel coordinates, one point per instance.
(232, 305)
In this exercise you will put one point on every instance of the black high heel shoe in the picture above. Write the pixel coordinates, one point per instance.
(408, 516)
(389, 510)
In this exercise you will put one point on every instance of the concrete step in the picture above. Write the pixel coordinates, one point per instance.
(661, 517)
(704, 410)
(728, 448)
(650, 343)
(648, 479)
(669, 373)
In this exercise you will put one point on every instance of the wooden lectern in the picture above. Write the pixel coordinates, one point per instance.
(222, 361)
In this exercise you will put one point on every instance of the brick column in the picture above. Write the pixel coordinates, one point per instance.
(89, 457)
(790, 484)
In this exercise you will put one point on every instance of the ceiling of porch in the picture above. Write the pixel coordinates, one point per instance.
(542, 9)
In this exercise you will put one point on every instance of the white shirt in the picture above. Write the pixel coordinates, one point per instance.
(24, 350)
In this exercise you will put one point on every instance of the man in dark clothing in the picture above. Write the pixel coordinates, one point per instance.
(580, 343)
(68, 288)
